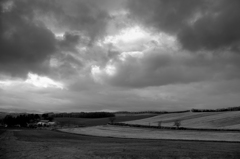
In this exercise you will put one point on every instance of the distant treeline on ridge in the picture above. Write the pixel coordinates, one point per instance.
(85, 115)
(217, 110)
(183, 111)
(151, 112)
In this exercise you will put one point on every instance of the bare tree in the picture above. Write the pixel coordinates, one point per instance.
(177, 123)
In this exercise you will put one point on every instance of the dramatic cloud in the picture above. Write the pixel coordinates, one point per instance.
(30, 31)
(25, 45)
(198, 24)
(168, 15)
(160, 67)
(75, 55)
(217, 28)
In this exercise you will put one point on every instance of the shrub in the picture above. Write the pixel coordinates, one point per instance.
(177, 123)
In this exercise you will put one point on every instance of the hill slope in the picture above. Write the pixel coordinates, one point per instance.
(226, 120)
(98, 121)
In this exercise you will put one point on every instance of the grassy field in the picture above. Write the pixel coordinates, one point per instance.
(42, 144)
(147, 133)
(99, 121)
(226, 120)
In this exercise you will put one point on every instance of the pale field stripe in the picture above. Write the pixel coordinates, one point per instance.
(146, 133)
(195, 120)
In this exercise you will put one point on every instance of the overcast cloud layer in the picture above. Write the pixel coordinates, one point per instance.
(92, 55)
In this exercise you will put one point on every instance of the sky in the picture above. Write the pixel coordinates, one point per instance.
(119, 55)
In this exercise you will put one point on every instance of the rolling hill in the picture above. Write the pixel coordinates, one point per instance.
(99, 121)
(224, 120)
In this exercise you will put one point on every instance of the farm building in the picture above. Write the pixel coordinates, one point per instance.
(45, 123)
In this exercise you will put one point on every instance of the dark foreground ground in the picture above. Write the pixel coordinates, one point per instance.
(41, 144)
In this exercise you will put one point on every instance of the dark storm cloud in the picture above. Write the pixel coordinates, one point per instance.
(198, 24)
(75, 15)
(167, 15)
(25, 45)
(28, 27)
(218, 28)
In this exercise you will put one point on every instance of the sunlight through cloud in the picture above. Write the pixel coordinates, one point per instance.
(99, 73)
(127, 35)
(42, 82)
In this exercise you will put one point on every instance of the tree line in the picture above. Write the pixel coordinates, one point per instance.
(23, 120)
(151, 112)
(20, 120)
(85, 115)
(217, 110)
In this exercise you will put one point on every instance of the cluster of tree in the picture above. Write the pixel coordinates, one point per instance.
(217, 110)
(47, 117)
(20, 120)
(85, 115)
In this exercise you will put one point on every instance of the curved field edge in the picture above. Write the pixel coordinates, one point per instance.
(140, 133)
(225, 120)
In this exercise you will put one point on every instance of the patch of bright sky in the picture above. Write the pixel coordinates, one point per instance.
(5, 83)
(133, 37)
(10, 83)
(126, 35)
(110, 70)
(42, 82)
(97, 72)
(59, 36)
(136, 54)
(136, 38)
(32, 80)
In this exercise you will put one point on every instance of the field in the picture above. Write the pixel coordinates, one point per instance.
(116, 142)
(224, 120)
(42, 144)
(147, 133)
(98, 121)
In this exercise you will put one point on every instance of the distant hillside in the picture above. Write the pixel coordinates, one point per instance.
(226, 120)
(182, 111)
(14, 110)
